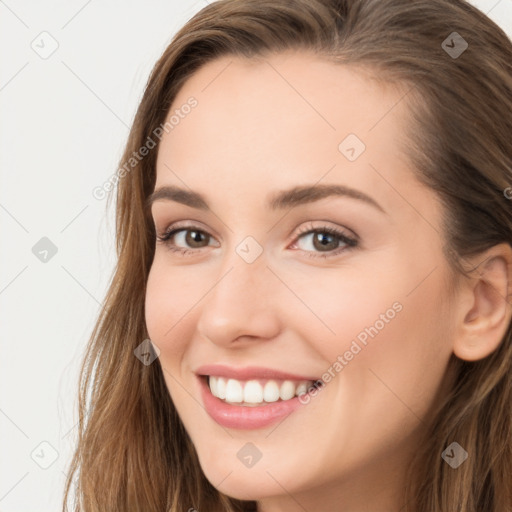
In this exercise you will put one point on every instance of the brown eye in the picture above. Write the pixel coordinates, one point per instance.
(325, 242)
(185, 240)
(196, 239)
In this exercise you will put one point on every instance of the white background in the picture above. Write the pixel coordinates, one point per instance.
(63, 124)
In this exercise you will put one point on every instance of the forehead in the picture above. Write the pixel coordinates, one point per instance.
(283, 118)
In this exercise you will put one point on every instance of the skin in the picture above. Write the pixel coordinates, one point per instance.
(253, 134)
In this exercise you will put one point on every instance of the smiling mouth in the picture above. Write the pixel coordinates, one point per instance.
(257, 392)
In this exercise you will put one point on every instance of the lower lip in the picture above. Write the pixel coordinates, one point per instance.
(245, 417)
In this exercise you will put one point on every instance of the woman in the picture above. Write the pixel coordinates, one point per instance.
(310, 307)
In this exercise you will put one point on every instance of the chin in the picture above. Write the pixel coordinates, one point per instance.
(243, 484)
(231, 477)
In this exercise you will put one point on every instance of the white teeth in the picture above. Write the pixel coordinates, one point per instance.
(234, 391)
(221, 388)
(213, 381)
(271, 391)
(287, 390)
(301, 388)
(253, 392)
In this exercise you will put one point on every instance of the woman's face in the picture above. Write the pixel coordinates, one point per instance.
(312, 253)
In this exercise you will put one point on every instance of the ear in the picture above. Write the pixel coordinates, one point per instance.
(484, 309)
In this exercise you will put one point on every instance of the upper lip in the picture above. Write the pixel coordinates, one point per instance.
(249, 372)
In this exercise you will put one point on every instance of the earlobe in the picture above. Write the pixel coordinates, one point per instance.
(485, 300)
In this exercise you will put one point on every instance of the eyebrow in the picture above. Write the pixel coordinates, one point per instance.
(282, 199)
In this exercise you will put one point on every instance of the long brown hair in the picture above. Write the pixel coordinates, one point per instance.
(133, 452)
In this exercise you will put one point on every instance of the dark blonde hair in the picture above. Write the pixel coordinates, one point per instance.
(133, 452)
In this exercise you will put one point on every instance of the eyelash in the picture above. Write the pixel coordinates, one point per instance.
(349, 242)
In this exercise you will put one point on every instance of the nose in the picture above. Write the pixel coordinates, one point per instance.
(241, 305)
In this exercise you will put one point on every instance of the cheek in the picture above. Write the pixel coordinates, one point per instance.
(351, 306)
(390, 331)
(172, 297)
(169, 304)
(406, 350)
